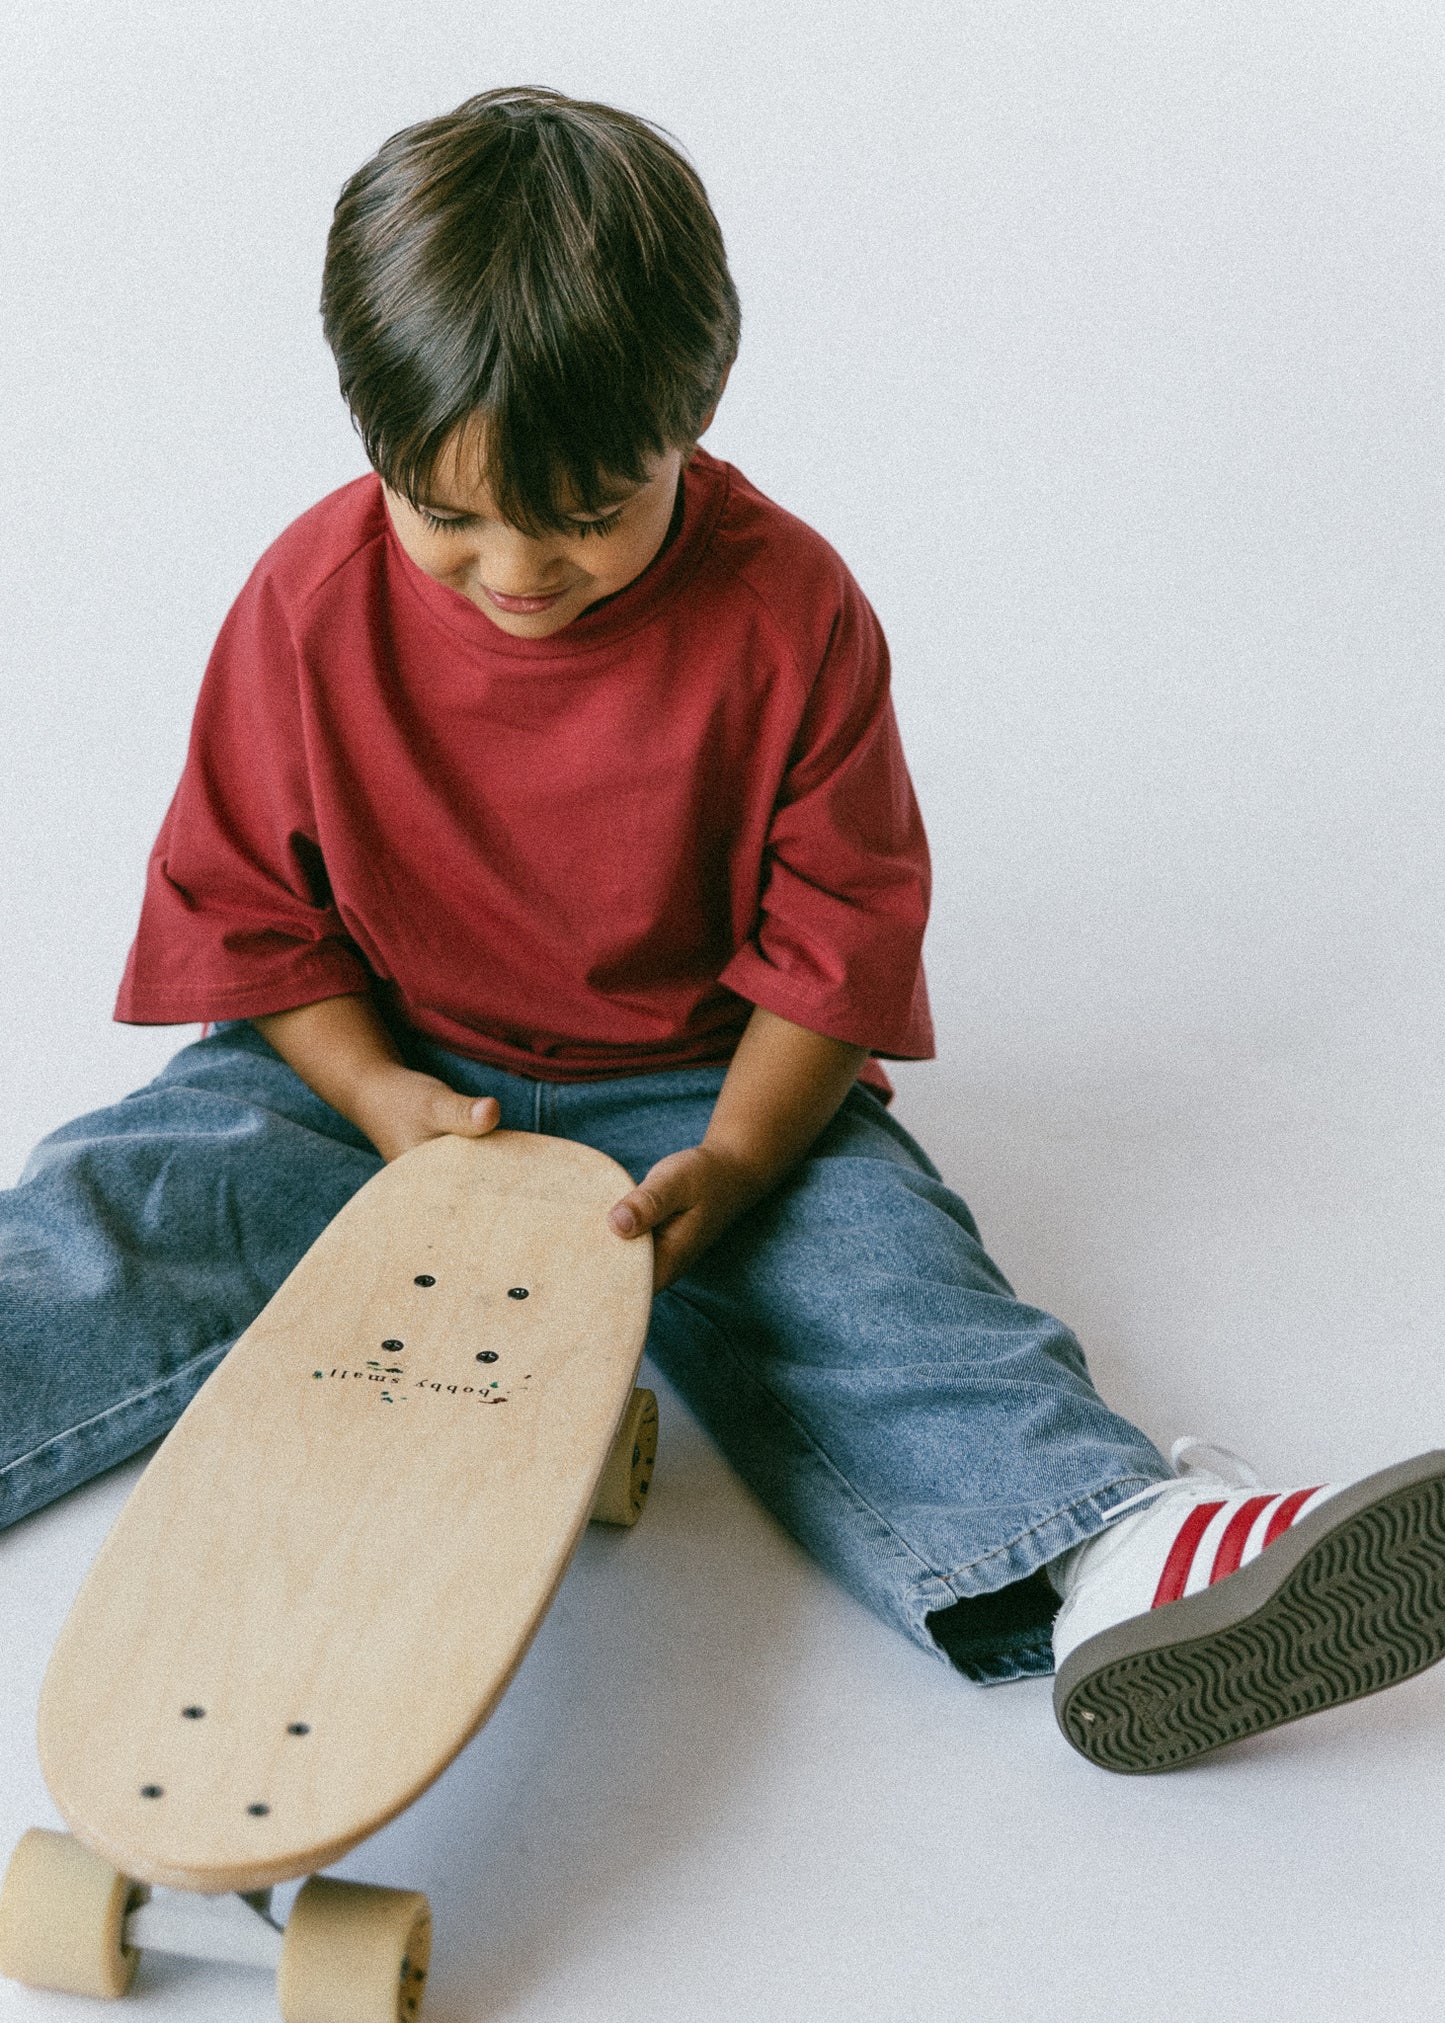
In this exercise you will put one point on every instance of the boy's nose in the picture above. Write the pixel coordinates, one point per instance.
(520, 568)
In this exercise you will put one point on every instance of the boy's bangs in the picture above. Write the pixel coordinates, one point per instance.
(544, 457)
(540, 473)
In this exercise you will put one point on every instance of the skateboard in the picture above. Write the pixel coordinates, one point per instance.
(329, 1572)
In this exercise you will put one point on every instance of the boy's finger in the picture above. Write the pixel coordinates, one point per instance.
(642, 1209)
(670, 1257)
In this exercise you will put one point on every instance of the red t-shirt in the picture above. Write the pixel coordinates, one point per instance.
(573, 857)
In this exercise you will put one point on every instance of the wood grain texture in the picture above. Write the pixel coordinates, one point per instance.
(351, 1538)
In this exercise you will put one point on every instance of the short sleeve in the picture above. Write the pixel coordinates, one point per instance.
(837, 945)
(238, 918)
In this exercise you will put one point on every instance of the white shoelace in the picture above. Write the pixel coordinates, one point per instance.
(1236, 1471)
(1184, 1459)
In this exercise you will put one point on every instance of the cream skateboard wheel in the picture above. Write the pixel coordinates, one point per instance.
(354, 1953)
(62, 1918)
(622, 1491)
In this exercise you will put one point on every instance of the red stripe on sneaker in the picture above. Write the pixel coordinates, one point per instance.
(1181, 1553)
(1288, 1511)
(1236, 1536)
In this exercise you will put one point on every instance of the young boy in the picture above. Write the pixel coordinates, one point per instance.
(548, 778)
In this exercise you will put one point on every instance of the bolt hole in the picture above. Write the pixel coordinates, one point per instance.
(517, 1292)
(424, 1278)
(299, 1728)
(152, 1791)
(258, 1811)
(394, 1348)
(194, 1713)
(486, 1355)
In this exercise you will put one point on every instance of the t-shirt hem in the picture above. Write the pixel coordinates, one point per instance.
(238, 1001)
(759, 985)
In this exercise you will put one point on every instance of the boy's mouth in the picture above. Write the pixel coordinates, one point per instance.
(522, 606)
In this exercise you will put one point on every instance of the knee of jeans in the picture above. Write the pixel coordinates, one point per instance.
(863, 1192)
(846, 1229)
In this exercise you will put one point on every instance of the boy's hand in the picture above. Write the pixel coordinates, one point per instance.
(341, 1049)
(400, 1107)
(687, 1201)
(782, 1086)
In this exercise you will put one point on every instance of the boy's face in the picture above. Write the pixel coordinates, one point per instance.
(530, 586)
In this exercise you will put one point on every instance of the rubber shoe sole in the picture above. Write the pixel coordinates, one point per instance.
(1349, 1600)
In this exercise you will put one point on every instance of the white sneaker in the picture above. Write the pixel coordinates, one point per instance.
(1219, 1609)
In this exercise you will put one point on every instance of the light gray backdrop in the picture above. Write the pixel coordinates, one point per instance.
(1104, 341)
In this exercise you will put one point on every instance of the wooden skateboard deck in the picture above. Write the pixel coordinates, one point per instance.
(331, 1568)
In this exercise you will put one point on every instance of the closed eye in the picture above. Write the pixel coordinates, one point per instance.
(442, 526)
(602, 526)
(582, 527)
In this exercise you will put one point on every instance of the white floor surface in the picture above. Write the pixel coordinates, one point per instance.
(719, 1790)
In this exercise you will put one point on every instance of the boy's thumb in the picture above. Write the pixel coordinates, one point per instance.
(640, 1210)
(472, 1116)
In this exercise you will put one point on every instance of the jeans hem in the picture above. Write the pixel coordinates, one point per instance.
(1023, 1555)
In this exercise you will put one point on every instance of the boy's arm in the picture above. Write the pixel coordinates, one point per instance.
(341, 1049)
(783, 1086)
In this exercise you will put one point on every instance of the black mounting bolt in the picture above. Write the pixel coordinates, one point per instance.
(194, 1713)
(393, 1348)
(151, 1791)
(517, 1292)
(258, 1811)
(424, 1278)
(486, 1355)
(299, 1728)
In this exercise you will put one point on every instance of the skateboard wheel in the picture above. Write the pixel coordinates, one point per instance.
(622, 1492)
(62, 1918)
(353, 1953)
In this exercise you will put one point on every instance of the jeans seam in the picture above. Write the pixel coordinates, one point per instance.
(119, 1405)
(851, 1488)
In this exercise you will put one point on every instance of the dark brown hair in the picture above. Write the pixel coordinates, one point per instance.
(549, 265)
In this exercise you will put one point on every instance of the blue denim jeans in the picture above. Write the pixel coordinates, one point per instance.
(849, 1344)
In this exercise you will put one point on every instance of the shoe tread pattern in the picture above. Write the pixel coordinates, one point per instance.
(1364, 1609)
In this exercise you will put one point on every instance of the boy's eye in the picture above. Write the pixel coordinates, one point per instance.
(583, 527)
(602, 526)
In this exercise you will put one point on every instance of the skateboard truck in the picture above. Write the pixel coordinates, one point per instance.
(238, 1930)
